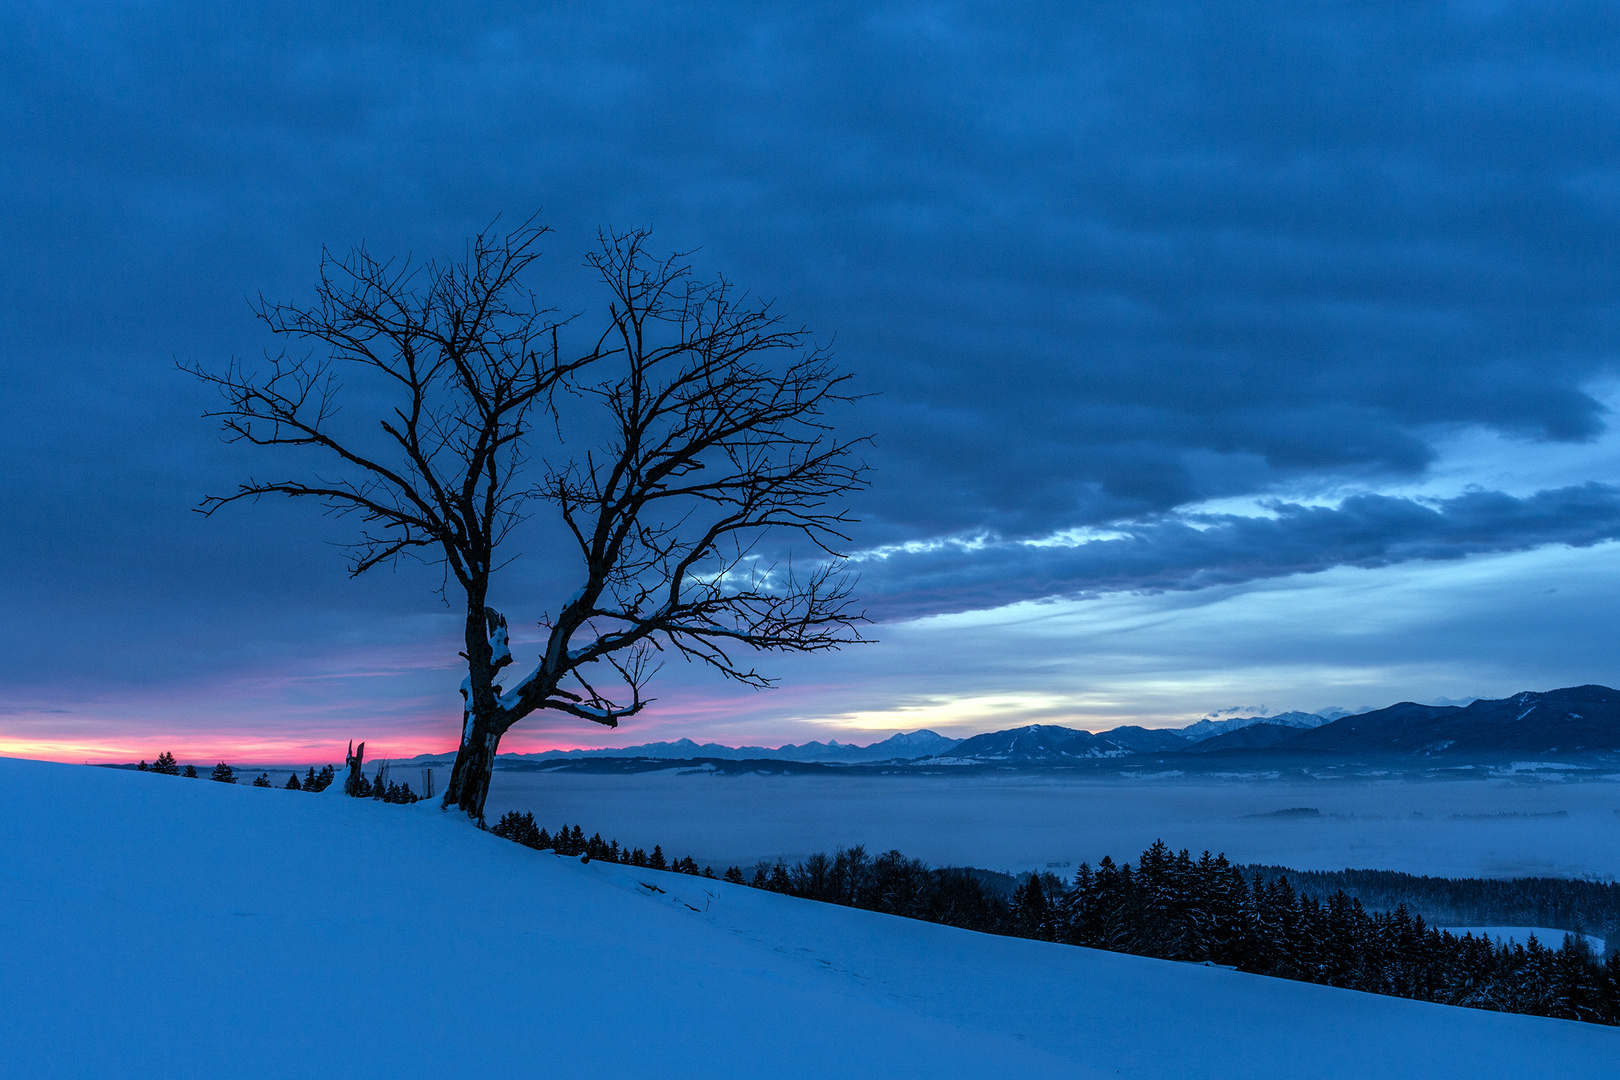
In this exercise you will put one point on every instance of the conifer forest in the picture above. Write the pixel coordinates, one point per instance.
(1171, 906)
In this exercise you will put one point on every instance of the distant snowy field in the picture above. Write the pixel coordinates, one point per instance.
(161, 927)
(1466, 828)
(1521, 935)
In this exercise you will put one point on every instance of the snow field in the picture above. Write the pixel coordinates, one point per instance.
(156, 926)
(1547, 936)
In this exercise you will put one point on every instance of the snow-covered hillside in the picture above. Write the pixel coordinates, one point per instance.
(161, 927)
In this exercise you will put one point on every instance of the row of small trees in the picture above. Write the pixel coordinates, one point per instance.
(1173, 907)
(357, 784)
(380, 788)
(166, 765)
(313, 781)
(571, 841)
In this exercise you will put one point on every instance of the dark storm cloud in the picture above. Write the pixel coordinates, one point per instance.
(1097, 265)
(1203, 550)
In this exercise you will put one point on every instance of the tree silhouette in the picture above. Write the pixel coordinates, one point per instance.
(688, 431)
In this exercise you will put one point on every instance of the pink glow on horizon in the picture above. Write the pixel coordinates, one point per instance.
(400, 699)
(286, 719)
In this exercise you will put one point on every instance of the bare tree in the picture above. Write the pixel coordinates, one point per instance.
(716, 441)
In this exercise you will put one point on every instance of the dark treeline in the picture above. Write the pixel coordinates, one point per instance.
(571, 841)
(1174, 907)
(1584, 906)
(166, 765)
(378, 787)
(1206, 910)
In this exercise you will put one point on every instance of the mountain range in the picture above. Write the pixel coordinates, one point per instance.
(1574, 723)
(1581, 722)
(924, 744)
(916, 744)
(1574, 720)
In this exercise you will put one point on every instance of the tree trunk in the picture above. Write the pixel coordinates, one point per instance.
(351, 783)
(475, 761)
(480, 730)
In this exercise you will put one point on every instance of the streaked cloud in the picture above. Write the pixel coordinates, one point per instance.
(1156, 302)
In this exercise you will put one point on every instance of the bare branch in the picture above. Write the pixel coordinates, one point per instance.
(719, 452)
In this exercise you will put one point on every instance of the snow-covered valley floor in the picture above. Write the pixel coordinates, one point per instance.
(160, 927)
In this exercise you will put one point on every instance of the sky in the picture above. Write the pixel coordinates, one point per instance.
(1219, 358)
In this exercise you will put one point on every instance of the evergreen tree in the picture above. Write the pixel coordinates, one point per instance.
(190, 773)
(1576, 991)
(510, 826)
(292, 782)
(165, 764)
(1342, 928)
(143, 767)
(323, 779)
(1032, 914)
(656, 859)
(1113, 899)
(1609, 987)
(262, 781)
(223, 773)
(1533, 982)
(734, 875)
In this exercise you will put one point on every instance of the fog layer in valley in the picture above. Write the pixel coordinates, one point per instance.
(1480, 828)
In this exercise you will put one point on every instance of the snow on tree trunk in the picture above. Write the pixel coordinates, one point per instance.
(469, 779)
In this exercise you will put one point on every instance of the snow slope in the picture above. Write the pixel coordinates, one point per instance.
(155, 926)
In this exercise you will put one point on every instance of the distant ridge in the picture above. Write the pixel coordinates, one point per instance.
(1574, 723)
(1572, 720)
(1535, 729)
(1206, 729)
(902, 747)
(1034, 742)
(1253, 737)
(1039, 743)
